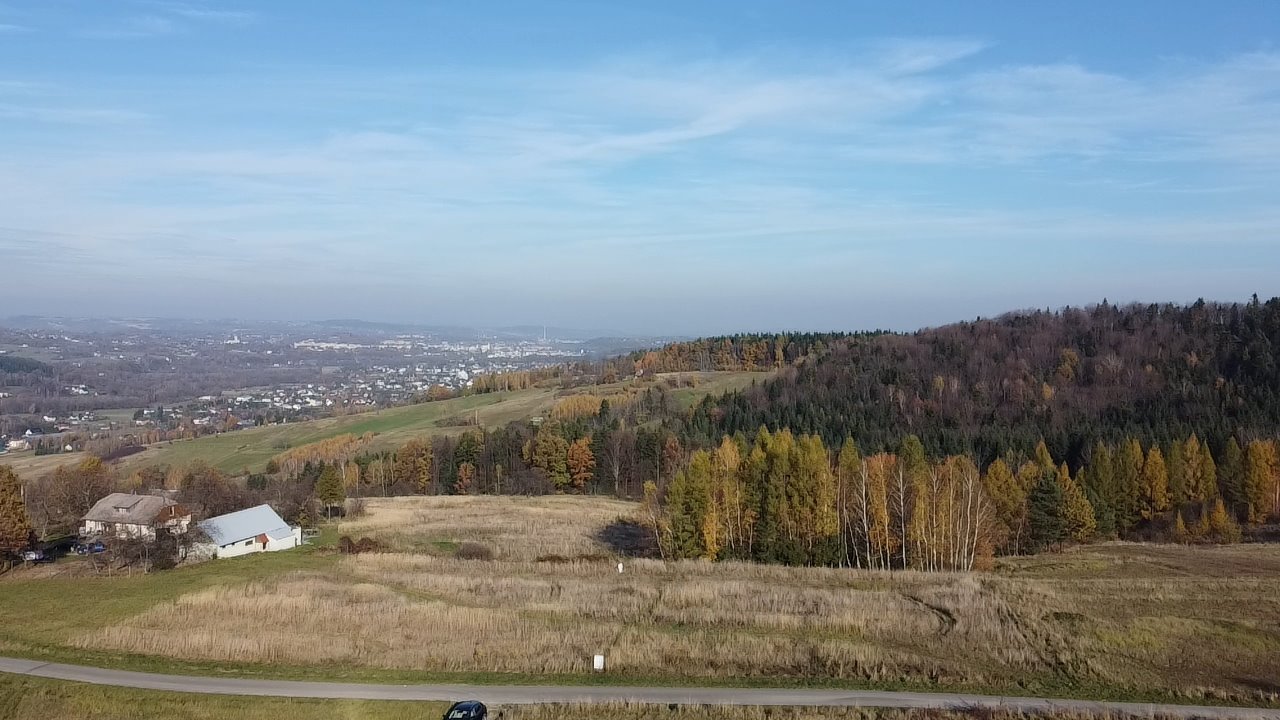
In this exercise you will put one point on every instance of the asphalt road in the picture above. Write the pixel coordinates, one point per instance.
(533, 694)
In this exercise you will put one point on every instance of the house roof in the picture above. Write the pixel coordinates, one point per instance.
(246, 524)
(129, 509)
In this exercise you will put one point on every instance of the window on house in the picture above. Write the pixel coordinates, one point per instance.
(247, 543)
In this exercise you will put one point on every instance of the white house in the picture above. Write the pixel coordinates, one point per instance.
(124, 515)
(252, 530)
(18, 445)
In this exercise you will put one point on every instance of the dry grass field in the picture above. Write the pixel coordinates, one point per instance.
(27, 464)
(1120, 620)
(515, 528)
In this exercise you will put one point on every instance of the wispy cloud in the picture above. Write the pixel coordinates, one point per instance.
(907, 56)
(679, 170)
(142, 26)
(204, 13)
(71, 115)
(166, 18)
(10, 29)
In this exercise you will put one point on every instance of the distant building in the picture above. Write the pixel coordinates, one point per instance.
(18, 445)
(123, 515)
(252, 530)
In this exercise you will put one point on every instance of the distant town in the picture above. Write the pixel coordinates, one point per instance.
(67, 382)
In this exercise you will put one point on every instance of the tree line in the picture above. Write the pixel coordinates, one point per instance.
(1074, 377)
(786, 498)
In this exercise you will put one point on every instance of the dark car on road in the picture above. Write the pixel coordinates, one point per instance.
(467, 710)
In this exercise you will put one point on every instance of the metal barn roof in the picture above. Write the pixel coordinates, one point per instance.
(246, 524)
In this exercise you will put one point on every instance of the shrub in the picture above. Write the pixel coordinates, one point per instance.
(473, 551)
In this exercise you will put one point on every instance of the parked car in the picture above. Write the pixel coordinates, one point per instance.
(90, 548)
(467, 710)
(36, 556)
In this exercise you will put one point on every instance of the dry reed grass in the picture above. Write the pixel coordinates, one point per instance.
(516, 528)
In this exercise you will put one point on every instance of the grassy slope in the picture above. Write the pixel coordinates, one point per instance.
(714, 383)
(251, 448)
(42, 613)
(27, 464)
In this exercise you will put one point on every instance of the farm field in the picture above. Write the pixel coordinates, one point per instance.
(1118, 621)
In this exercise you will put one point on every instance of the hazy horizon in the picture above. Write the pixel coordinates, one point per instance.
(606, 331)
(662, 169)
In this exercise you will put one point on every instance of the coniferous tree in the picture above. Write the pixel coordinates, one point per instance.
(329, 489)
(1231, 474)
(1103, 514)
(1076, 509)
(1261, 479)
(1197, 486)
(1154, 497)
(1208, 474)
(1128, 480)
(1044, 458)
(1176, 472)
(581, 464)
(1010, 502)
(413, 465)
(1180, 533)
(15, 525)
(1046, 526)
(688, 503)
(1100, 488)
(551, 455)
(1222, 527)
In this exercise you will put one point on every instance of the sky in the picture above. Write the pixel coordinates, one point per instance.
(658, 167)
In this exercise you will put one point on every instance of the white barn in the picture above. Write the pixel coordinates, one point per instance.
(252, 530)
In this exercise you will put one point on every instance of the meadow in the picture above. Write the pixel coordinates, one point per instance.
(1119, 621)
(251, 448)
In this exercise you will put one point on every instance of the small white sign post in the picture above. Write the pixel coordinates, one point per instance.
(598, 664)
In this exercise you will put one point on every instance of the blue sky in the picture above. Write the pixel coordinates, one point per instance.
(666, 167)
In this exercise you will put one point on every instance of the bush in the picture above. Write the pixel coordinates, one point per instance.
(347, 546)
(473, 551)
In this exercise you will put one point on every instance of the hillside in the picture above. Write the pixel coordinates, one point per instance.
(1156, 373)
(251, 448)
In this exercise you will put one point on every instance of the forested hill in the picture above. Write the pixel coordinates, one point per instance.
(1151, 372)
